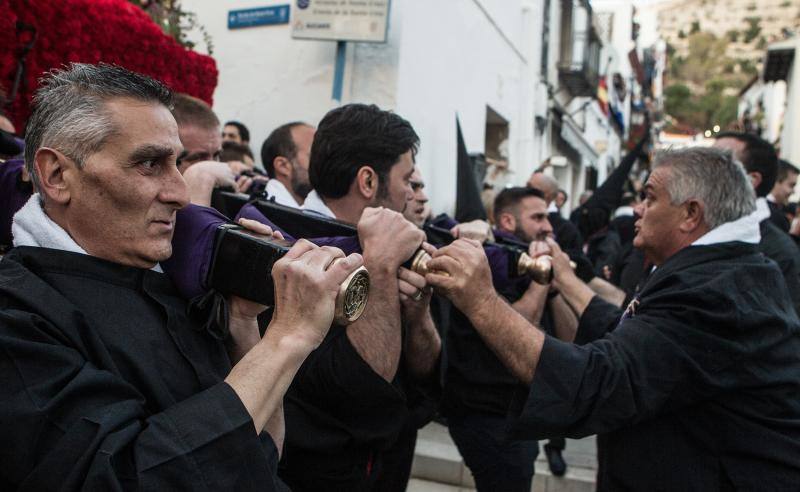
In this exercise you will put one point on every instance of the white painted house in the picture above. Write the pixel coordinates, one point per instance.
(480, 60)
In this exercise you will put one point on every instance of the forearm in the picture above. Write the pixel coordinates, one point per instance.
(376, 335)
(515, 341)
(244, 336)
(423, 346)
(607, 291)
(576, 293)
(531, 304)
(263, 375)
(200, 188)
(276, 428)
(564, 320)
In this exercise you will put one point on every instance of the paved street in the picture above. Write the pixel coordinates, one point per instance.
(438, 466)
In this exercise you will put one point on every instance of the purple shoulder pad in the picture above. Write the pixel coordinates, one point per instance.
(192, 247)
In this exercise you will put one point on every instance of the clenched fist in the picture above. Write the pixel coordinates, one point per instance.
(468, 279)
(307, 280)
(561, 268)
(387, 238)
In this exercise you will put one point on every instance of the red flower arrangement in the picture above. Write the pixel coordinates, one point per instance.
(92, 31)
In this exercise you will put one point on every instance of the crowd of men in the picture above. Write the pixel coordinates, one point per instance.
(669, 327)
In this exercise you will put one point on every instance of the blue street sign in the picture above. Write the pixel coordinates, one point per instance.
(261, 16)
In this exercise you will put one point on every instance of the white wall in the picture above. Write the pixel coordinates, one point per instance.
(790, 144)
(459, 67)
(265, 78)
(443, 58)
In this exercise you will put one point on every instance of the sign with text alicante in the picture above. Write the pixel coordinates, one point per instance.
(341, 20)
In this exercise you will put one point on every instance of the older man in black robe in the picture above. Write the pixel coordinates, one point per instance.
(703, 363)
(106, 383)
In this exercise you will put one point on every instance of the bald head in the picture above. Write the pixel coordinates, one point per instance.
(545, 184)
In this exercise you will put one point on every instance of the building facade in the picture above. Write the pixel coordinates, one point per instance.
(521, 76)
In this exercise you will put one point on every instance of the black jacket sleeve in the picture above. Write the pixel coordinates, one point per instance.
(780, 248)
(81, 427)
(599, 318)
(633, 374)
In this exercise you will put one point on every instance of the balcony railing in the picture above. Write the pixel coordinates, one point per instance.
(578, 67)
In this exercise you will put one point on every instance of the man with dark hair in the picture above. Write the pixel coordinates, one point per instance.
(107, 382)
(561, 199)
(285, 156)
(758, 156)
(478, 388)
(418, 211)
(236, 151)
(238, 156)
(569, 238)
(566, 233)
(347, 404)
(236, 132)
(694, 386)
(761, 164)
(783, 189)
(353, 135)
(517, 212)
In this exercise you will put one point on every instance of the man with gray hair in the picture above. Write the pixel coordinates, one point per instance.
(703, 363)
(108, 384)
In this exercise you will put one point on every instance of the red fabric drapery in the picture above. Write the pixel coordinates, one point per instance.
(92, 31)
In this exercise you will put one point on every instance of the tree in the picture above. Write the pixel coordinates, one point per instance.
(704, 60)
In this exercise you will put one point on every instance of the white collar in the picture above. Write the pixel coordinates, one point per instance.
(771, 198)
(624, 211)
(314, 203)
(31, 226)
(552, 207)
(277, 190)
(745, 229)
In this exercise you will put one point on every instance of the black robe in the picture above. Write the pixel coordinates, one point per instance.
(341, 416)
(567, 235)
(697, 388)
(106, 385)
(778, 217)
(779, 247)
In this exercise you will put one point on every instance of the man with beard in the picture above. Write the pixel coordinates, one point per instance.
(285, 155)
(478, 387)
(694, 386)
(347, 404)
(108, 384)
(418, 210)
(566, 233)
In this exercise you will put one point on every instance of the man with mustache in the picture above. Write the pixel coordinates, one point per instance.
(478, 388)
(285, 155)
(107, 382)
(702, 363)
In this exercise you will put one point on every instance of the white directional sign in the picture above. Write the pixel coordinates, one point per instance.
(341, 20)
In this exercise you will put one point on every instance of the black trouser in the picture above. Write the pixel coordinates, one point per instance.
(496, 462)
(558, 443)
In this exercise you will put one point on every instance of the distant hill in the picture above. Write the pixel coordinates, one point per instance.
(714, 48)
